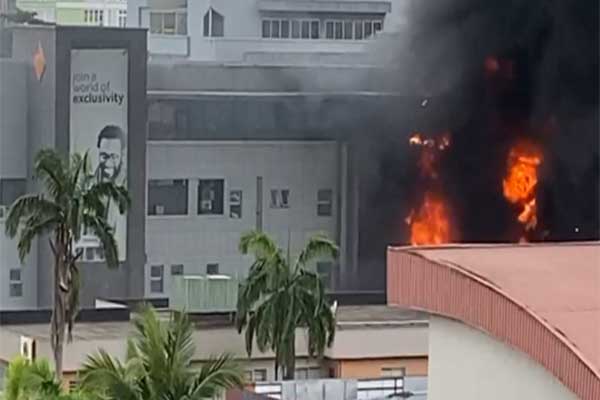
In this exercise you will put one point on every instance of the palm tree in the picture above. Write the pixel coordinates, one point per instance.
(280, 296)
(35, 380)
(72, 200)
(158, 365)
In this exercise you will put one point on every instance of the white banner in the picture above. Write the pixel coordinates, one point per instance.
(98, 125)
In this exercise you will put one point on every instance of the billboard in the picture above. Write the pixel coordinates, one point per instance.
(98, 125)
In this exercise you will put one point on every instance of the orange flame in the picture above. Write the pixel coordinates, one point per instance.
(430, 225)
(519, 185)
(429, 154)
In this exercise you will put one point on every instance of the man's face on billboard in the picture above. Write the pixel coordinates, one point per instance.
(110, 158)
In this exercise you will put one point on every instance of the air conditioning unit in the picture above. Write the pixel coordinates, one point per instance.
(207, 205)
(159, 209)
(28, 348)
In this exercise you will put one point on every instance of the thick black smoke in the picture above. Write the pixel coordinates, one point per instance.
(540, 81)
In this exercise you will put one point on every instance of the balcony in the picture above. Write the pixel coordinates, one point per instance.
(204, 294)
(169, 45)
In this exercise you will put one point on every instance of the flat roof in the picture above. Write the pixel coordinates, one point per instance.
(347, 316)
(542, 298)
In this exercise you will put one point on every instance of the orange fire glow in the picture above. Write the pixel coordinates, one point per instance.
(519, 185)
(429, 225)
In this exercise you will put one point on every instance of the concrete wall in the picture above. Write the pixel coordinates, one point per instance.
(467, 364)
(196, 240)
(374, 368)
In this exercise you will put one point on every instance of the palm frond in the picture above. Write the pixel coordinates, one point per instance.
(101, 191)
(27, 206)
(105, 233)
(105, 374)
(216, 374)
(317, 246)
(50, 167)
(34, 227)
(257, 243)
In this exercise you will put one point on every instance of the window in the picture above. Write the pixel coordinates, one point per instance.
(214, 24)
(351, 30)
(210, 196)
(286, 28)
(157, 281)
(212, 269)
(348, 30)
(308, 373)
(93, 17)
(325, 272)
(260, 375)
(368, 29)
(235, 204)
(324, 202)
(358, 30)
(329, 30)
(280, 198)
(122, 17)
(393, 372)
(168, 22)
(176, 269)
(15, 283)
(167, 197)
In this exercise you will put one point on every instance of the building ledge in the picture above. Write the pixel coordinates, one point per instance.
(343, 6)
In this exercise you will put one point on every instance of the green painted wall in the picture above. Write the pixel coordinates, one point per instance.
(69, 16)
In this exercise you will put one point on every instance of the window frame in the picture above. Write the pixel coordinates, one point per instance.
(168, 215)
(15, 283)
(225, 202)
(212, 265)
(160, 278)
(327, 203)
(176, 13)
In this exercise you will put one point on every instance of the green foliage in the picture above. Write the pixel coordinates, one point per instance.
(71, 200)
(158, 365)
(280, 296)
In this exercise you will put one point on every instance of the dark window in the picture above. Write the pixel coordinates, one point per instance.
(260, 375)
(207, 23)
(275, 29)
(339, 30)
(305, 29)
(314, 30)
(212, 269)
(295, 29)
(329, 30)
(368, 29)
(167, 197)
(210, 196)
(324, 202)
(10, 190)
(218, 24)
(377, 26)
(266, 29)
(15, 283)
(280, 198)
(157, 278)
(285, 29)
(235, 204)
(348, 30)
(176, 269)
(358, 30)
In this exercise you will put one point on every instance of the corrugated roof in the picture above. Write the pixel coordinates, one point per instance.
(541, 298)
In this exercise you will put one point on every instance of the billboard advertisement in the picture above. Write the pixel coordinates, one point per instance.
(98, 125)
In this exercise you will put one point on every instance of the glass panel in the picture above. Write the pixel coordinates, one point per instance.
(156, 271)
(295, 29)
(155, 23)
(169, 23)
(212, 269)
(368, 29)
(348, 30)
(377, 26)
(177, 269)
(15, 275)
(314, 30)
(218, 24)
(235, 204)
(206, 23)
(285, 29)
(156, 286)
(305, 29)
(358, 30)
(168, 197)
(275, 29)
(210, 196)
(329, 29)
(182, 23)
(16, 290)
(339, 27)
(266, 29)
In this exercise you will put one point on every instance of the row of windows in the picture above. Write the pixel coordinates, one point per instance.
(174, 22)
(157, 275)
(312, 29)
(97, 17)
(170, 197)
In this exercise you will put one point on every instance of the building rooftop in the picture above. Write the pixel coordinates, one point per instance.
(543, 299)
(347, 316)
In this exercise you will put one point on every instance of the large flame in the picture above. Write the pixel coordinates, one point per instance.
(519, 185)
(430, 224)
